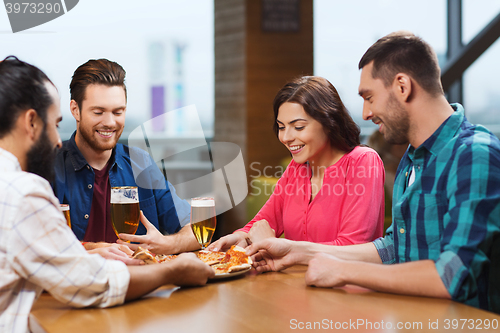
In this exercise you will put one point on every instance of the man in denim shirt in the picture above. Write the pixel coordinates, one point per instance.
(92, 162)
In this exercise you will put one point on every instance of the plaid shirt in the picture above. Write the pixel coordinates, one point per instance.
(38, 251)
(451, 212)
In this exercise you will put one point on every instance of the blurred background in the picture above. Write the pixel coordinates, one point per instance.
(230, 57)
(160, 44)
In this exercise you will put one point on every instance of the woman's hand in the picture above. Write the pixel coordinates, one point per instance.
(260, 230)
(224, 243)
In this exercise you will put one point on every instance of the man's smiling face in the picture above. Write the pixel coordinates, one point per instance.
(381, 106)
(102, 116)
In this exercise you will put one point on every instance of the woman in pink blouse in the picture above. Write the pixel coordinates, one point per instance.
(332, 192)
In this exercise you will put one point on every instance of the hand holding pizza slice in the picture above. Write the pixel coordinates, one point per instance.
(233, 260)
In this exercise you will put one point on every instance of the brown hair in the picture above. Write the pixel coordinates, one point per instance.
(403, 52)
(101, 71)
(320, 100)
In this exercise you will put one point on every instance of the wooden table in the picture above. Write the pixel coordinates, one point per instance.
(271, 302)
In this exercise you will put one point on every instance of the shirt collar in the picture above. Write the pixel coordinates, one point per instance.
(9, 162)
(444, 133)
(79, 162)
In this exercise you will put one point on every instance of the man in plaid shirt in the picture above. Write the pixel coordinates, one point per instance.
(37, 249)
(444, 239)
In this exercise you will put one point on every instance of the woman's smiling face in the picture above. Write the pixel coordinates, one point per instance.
(301, 134)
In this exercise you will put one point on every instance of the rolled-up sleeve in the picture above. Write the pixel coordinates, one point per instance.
(471, 223)
(385, 247)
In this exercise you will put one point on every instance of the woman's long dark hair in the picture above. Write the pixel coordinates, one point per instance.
(321, 101)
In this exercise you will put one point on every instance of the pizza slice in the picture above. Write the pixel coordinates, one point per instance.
(161, 258)
(211, 258)
(235, 260)
(145, 255)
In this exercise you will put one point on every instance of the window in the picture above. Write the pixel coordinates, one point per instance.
(481, 89)
(165, 43)
(344, 30)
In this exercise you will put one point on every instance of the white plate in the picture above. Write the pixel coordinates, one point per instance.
(230, 275)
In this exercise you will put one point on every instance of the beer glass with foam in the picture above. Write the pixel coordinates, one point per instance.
(203, 220)
(125, 209)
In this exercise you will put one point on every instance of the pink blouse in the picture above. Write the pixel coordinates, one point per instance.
(348, 209)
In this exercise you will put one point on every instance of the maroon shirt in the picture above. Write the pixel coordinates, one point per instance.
(99, 228)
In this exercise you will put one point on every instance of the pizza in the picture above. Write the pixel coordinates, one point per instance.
(211, 257)
(233, 260)
(164, 257)
(145, 255)
(150, 258)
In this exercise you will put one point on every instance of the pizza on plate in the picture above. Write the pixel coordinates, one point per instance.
(211, 257)
(234, 260)
(150, 258)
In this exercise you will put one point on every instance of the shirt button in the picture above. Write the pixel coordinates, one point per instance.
(86, 216)
(402, 230)
(88, 167)
(89, 185)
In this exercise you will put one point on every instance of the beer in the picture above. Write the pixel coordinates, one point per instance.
(203, 220)
(65, 210)
(125, 209)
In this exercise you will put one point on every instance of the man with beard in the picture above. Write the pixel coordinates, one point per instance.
(91, 162)
(444, 238)
(37, 249)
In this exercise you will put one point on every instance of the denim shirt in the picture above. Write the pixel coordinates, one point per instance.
(74, 184)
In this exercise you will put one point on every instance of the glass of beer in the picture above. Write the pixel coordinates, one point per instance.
(203, 220)
(65, 210)
(125, 210)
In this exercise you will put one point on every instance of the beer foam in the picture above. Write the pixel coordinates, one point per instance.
(203, 202)
(122, 200)
(124, 195)
(63, 207)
